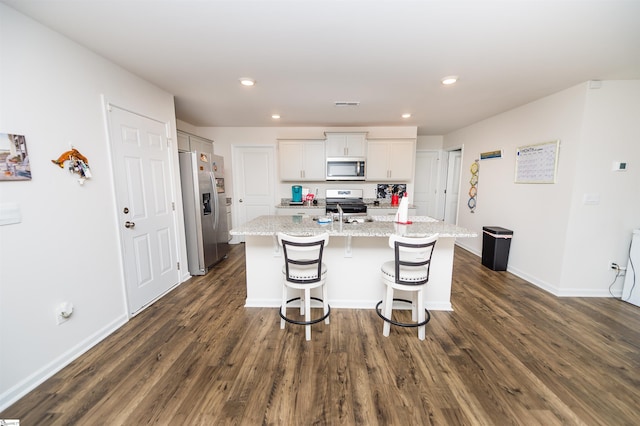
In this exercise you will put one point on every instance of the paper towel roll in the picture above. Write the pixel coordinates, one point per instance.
(402, 215)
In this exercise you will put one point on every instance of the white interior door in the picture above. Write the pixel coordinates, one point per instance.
(425, 193)
(254, 183)
(452, 193)
(142, 170)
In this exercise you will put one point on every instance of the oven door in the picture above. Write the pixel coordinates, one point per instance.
(349, 209)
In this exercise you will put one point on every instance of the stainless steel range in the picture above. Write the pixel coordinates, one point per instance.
(349, 200)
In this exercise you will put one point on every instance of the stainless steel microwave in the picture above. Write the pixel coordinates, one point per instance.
(345, 168)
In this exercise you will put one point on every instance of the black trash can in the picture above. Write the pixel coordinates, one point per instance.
(496, 242)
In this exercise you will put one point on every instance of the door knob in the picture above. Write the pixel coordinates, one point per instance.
(240, 200)
(128, 224)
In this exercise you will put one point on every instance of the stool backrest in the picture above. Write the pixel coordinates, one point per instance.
(412, 252)
(305, 252)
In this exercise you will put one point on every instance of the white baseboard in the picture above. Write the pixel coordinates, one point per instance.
(554, 290)
(25, 386)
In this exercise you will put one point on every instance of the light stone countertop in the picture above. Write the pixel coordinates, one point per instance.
(322, 204)
(305, 225)
(320, 207)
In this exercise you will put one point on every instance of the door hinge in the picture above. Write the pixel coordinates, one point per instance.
(178, 266)
(173, 206)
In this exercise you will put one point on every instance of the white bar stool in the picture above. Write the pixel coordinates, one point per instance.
(304, 270)
(408, 272)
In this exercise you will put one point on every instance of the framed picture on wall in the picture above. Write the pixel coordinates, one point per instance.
(14, 159)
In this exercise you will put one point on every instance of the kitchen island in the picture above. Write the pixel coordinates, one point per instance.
(354, 255)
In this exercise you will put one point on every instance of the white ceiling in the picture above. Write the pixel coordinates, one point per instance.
(389, 55)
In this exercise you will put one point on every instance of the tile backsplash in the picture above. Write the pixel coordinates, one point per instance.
(386, 190)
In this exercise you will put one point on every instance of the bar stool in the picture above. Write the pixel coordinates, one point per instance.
(304, 270)
(408, 272)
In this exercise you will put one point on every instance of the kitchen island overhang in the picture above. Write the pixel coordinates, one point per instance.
(354, 255)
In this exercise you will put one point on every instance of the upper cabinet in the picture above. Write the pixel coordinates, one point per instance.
(390, 159)
(302, 160)
(387, 160)
(191, 143)
(346, 144)
(183, 142)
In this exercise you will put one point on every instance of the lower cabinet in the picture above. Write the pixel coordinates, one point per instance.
(385, 212)
(292, 211)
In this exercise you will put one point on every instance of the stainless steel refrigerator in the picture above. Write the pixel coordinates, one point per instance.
(204, 202)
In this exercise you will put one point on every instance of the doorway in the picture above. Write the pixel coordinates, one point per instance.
(254, 183)
(425, 194)
(452, 191)
(142, 171)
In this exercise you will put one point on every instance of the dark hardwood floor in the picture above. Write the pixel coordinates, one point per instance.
(510, 353)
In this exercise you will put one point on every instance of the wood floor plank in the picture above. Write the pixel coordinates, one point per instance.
(509, 353)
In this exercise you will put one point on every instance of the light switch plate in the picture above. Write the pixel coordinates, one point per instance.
(10, 213)
(591, 199)
(619, 166)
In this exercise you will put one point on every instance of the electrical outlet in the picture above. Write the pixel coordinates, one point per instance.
(614, 266)
(60, 319)
(63, 312)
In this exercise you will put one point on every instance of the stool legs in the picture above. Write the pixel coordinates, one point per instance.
(387, 307)
(305, 308)
(420, 307)
(283, 306)
(325, 303)
(418, 312)
(307, 312)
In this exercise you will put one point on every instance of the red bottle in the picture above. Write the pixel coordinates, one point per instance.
(394, 200)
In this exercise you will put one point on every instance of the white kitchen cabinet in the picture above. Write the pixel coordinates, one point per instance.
(385, 212)
(292, 211)
(346, 144)
(190, 143)
(183, 142)
(302, 160)
(390, 160)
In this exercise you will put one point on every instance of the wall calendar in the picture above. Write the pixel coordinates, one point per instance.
(537, 163)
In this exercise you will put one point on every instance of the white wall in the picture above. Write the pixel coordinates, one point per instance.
(559, 244)
(433, 143)
(66, 247)
(599, 234)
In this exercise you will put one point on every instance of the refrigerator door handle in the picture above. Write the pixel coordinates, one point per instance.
(216, 207)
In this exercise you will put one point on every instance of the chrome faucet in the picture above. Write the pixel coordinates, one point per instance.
(340, 213)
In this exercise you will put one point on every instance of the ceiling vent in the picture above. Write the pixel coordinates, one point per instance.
(347, 103)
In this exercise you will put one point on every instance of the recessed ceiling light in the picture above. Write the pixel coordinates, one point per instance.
(247, 81)
(450, 79)
(407, 115)
(275, 116)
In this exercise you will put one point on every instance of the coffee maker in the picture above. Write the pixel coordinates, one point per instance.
(296, 194)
